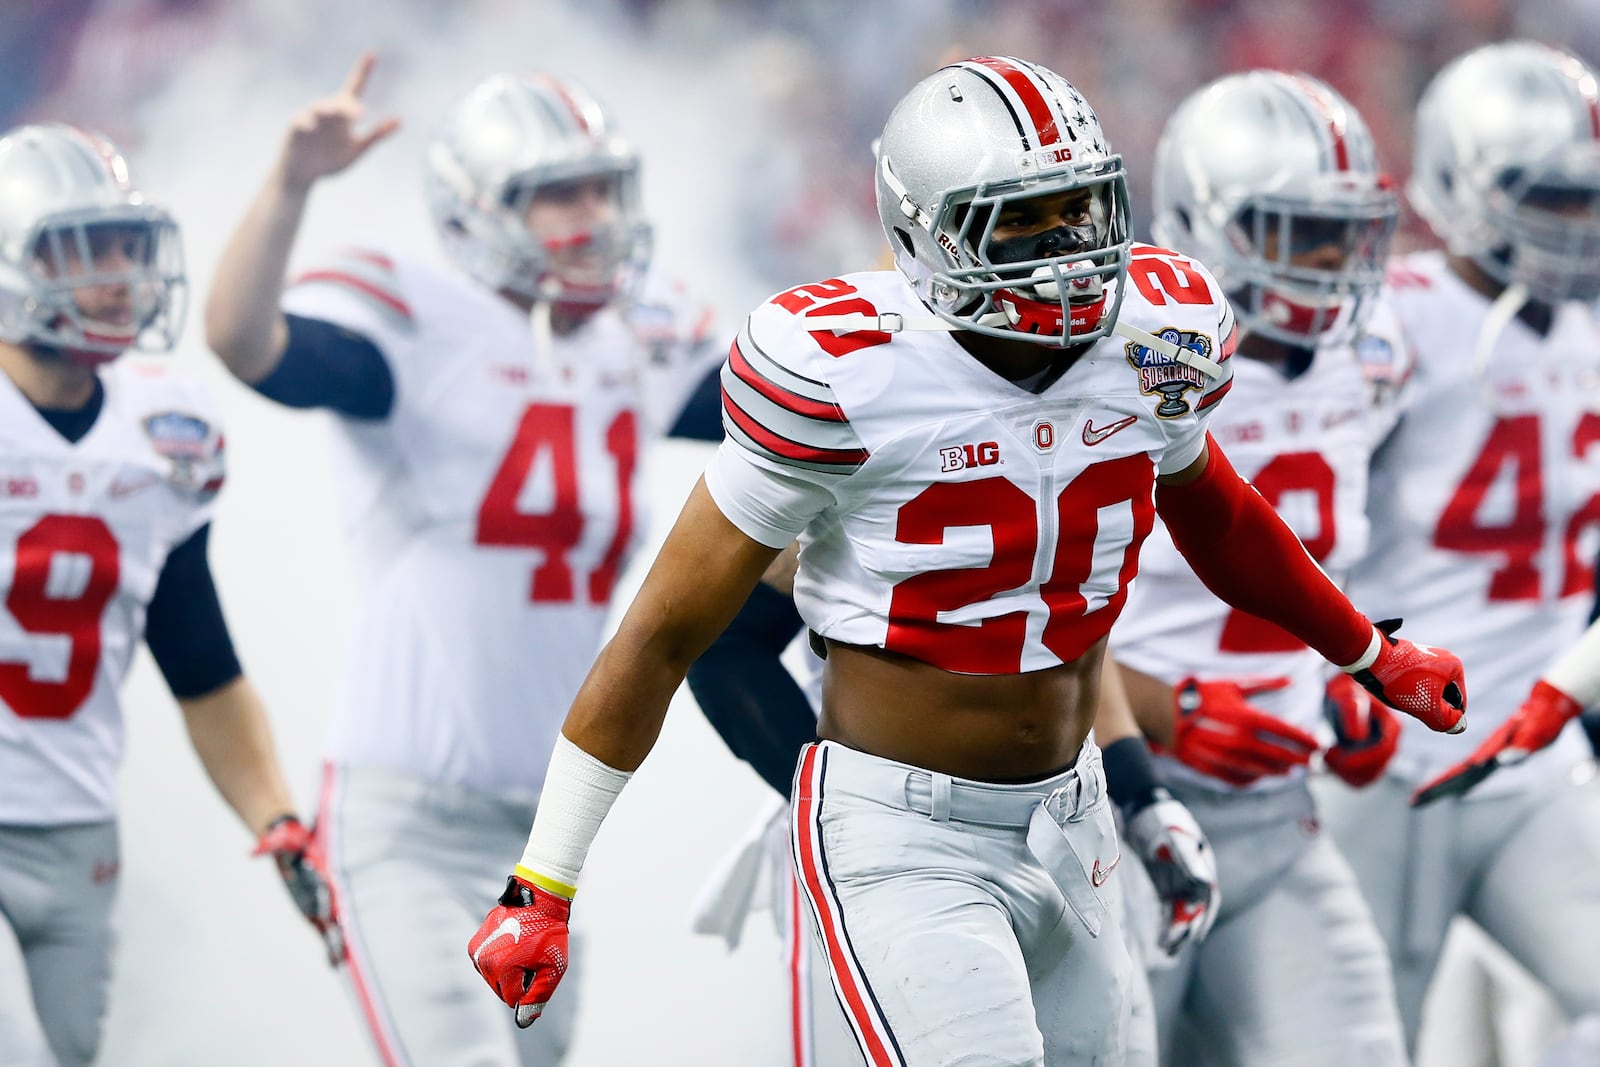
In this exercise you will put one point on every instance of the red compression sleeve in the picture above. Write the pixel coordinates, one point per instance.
(1245, 554)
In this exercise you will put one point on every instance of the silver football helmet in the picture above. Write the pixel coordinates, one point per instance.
(973, 142)
(1271, 180)
(506, 140)
(86, 266)
(1507, 167)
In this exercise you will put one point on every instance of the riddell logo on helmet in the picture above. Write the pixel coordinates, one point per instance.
(960, 457)
(947, 244)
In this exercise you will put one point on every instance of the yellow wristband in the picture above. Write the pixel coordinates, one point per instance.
(549, 885)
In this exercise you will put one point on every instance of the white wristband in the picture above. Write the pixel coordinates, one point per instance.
(1577, 673)
(1369, 657)
(578, 792)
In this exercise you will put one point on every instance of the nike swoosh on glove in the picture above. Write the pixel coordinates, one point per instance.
(1426, 683)
(1218, 732)
(1531, 727)
(521, 948)
(304, 871)
(1181, 865)
(1366, 734)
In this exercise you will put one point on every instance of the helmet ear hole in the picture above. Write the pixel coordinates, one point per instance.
(905, 240)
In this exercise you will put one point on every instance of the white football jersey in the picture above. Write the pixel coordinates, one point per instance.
(1485, 505)
(492, 512)
(1305, 443)
(949, 514)
(85, 529)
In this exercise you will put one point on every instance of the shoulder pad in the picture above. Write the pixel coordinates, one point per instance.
(776, 400)
(179, 421)
(366, 277)
(666, 319)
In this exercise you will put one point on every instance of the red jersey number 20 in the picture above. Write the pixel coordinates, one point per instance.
(547, 434)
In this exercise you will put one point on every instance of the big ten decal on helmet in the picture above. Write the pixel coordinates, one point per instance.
(1163, 375)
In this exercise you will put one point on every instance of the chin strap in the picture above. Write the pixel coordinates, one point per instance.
(894, 322)
(1498, 317)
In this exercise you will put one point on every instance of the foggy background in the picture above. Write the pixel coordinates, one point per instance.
(754, 121)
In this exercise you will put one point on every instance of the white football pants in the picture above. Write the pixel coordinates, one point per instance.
(1294, 974)
(1525, 867)
(57, 888)
(965, 922)
(416, 865)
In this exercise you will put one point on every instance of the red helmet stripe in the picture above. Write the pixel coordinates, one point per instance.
(1335, 117)
(1033, 99)
(566, 98)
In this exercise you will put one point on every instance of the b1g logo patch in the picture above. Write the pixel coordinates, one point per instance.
(1165, 375)
(965, 457)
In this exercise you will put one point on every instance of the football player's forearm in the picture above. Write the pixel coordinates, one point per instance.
(228, 729)
(1151, 702)
(243, 322)
(1577, 672)
(1114, 719)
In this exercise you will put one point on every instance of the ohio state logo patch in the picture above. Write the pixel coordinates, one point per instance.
(1163, 375)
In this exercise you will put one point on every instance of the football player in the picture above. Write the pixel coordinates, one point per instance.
(1272, 179)
(108, 477)
(971, 450)
(1480, 500)
(766, 715)
(489, 420)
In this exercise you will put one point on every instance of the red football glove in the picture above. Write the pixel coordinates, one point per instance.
(1530, 728)
(1217, 732)
(1366, 733)
(1425, 683)
(304, 871)
(521, 948)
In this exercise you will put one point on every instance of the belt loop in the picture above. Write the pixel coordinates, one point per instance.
(939, 802)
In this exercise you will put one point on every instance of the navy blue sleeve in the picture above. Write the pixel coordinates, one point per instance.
(328, 366)
(701, 417)
(184, 626)
(749, 696)
(1594, 612)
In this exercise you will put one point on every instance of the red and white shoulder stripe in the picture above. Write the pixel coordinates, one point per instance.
(368, 276)
(1227, 342)
(784, 416)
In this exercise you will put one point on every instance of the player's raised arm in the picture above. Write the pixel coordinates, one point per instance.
(704, 572)
(243, 322)
(1245, 554)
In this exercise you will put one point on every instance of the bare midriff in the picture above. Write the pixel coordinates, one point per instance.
(989, 727)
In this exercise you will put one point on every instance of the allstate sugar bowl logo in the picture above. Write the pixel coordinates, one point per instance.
(1165, 375)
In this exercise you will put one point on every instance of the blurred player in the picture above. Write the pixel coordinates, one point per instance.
(489, 421)
(1272, 179)
(968, 450)
(766, 715)
(108, 473)
(1484, 500)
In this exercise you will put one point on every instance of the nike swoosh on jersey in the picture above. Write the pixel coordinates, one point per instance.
(121, 488)
(1099, 875)
(1092, 436)
(507, 926)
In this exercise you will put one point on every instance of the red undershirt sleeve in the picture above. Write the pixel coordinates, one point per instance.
(1245, 554)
